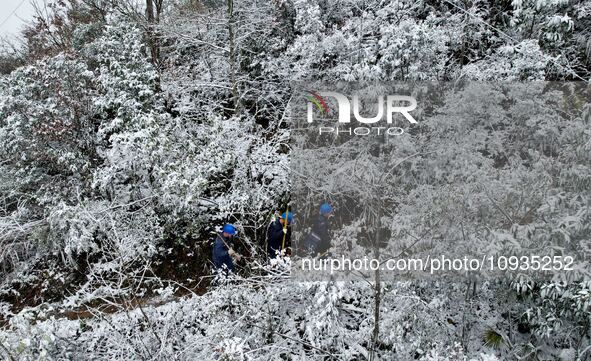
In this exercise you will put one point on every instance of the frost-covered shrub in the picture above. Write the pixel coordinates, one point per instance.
(278, 319)
(523, 61)
(115, 232)
(46, 132)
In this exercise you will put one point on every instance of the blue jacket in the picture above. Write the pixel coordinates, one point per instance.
(318, 241)
(275, 238)
(221, 256)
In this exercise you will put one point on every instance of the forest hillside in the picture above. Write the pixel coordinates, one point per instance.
(132, 131)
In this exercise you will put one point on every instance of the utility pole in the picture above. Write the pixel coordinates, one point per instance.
(377, 242)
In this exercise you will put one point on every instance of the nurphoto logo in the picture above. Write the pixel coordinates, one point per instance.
(401, 104)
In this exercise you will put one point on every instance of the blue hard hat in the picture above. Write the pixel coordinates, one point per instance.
(289, 216)
(325, 208)
(229, 229)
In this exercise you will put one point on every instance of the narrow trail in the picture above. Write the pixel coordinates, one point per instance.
(108, 307)
(31, 299)
(88, 312)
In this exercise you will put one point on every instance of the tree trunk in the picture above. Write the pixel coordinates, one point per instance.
(150, 11)
(152, 38)
(232, 55)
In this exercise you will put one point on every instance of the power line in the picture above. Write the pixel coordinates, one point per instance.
(12, 13)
